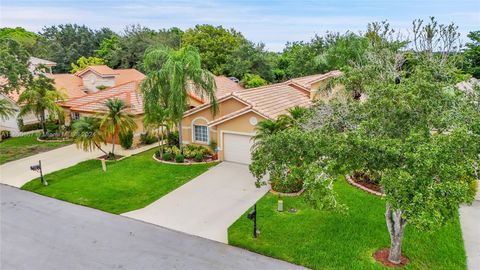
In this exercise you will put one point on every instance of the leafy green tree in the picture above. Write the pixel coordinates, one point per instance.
(87, 134)
(301, 58)
(252, 80)
(472, 54)
(415, 134)
(116, 120)
(64, 44)
(13, 66)
(128, 49)
(343, 50)
(171, 76)
(215, 44)
(25, 38)
(39, 97)
(249, 58)
(84, 62)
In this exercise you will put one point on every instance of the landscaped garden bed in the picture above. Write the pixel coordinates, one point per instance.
(20, 147)
(192, 154)
(321, 239)
(128, 184)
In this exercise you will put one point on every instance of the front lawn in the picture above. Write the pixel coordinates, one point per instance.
(27, 145)
(326, 240)
(128, 184)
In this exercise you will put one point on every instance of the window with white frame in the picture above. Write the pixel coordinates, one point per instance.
(75, 115)
(200, 133)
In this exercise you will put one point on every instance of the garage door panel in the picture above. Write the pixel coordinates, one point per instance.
(237, 147)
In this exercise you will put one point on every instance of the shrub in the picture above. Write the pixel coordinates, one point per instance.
(172, 150)
(5, 134)
(253, 80)
(172, 139)
(191, 150)
(167, 156)
(179, 158)
(213, 145)
(198, 157)
(148, 138)
(52, 126)
(28, 127)
(102, 87)
(126, 140)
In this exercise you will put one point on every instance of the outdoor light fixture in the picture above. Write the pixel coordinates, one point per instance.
(38, 168)
(253, 216)
(280, 206)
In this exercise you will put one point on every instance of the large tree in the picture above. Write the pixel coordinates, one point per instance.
(249, 58)
(66, 43)
(127, 50)
(115, 119)
(39, 97)
(413, 132)
(472, 54)
(14, 72)
(172, 75)
(215, 44)
(84, 62)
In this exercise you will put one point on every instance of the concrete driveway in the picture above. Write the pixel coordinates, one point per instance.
(38, 232)
(16, 173)
(207, 205)
(470, 222)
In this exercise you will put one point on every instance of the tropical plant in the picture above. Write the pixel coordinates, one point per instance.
(6, 109)
(126, 139)
(172, 75)
(268, 127)
(84, 62)
(87, 134)
(39, 97)
(116, 120)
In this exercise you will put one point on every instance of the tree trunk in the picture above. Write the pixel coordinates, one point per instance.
(113, 143)
(98, 146)
(160, 142)
(42, 122)
(396, 226)
(180, 131)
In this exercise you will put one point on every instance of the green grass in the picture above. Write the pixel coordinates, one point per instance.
(20, 147)
(328, 240)
(128, 184)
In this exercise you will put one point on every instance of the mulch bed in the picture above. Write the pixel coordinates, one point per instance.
(187, 161)
(363, 180)
(117, 157)
(381, 256)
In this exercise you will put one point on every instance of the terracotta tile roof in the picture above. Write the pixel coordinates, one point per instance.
(102, 70)
(274, 100)
(128, 75)
(38, 61)
(129, 92)
(307, 81)
(69, 84)
(224, 85)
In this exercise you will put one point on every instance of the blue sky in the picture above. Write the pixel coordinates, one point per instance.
(271, 22)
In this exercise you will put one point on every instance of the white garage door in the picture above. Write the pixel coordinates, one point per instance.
(236, 148)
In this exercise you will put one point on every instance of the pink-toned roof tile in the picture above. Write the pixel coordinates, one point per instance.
(224, 85)
(307, 81)
(69, 84)
(128, 75)
(102, 70)
(275, 100)
(128, 92)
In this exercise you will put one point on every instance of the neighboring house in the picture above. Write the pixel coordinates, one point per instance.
(239, 112)
(11, 124)
(91, 104)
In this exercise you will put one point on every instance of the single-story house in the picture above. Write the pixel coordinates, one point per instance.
(239, 112)
(91, 104)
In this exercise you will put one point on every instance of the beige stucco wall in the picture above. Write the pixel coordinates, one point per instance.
(92, 80)
(320, 92)
(240, 124)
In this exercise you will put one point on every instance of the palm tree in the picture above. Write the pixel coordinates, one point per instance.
(6, 109)
(295, 116)
(39, 97)
(87, 134)
(171, 76)
(116, 120)
(269, 127)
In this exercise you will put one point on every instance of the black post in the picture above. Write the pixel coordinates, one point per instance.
(41, 174)
(255, 222)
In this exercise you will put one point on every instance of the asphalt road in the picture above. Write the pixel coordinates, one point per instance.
(43, 233)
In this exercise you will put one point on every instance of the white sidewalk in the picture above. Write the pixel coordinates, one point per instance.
(16, 173)
(470, 222)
